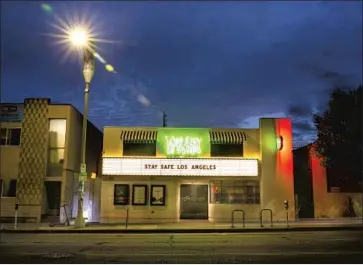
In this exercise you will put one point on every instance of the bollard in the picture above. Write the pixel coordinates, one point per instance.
(16, 214)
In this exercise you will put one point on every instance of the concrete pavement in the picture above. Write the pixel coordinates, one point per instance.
(282, 247)
(192, 226)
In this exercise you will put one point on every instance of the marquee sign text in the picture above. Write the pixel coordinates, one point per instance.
(179, 167)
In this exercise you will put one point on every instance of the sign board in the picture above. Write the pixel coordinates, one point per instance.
(83, 168)
(180, 142)
(83, 176)
(180, 167)
(11, 112)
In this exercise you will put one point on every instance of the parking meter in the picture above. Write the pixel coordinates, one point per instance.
(286, 202)
(286, 205)
(17, 205)
(16, 214)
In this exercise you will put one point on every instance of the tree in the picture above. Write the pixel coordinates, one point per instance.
(339, 141)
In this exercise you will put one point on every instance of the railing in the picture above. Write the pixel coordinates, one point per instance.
(243, 217)
(269, 210)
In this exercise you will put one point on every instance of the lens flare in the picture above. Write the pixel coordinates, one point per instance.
(109, 68)
(78, 37)
(81, 33)
(77, 33)
(47, 8)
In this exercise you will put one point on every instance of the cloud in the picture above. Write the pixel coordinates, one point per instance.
(143, 100)
(206, 64)
(303, 126)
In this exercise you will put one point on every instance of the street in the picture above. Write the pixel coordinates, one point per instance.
(282, 247)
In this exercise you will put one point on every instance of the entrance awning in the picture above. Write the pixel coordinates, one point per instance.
(150, 136)
(227, 137)
(139, 136)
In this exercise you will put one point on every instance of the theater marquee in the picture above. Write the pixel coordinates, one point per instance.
(180, 167)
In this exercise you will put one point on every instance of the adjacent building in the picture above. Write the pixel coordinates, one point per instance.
(316, 195)
(40, 161)
(158, 175)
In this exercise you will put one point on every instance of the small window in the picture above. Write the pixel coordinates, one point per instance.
(10, 136)
(226, 150)
(139, 149)
(8, 188)
(15, 136)
(4, 136)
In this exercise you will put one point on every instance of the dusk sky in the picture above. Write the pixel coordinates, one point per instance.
(207, 64)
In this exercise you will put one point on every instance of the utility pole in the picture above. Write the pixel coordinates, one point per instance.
(164, 119)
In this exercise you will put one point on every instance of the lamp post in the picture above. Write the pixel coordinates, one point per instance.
(79, 38)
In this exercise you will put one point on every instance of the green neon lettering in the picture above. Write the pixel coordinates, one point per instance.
(183, 145)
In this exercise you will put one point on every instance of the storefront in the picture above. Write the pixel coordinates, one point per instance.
(158, 175)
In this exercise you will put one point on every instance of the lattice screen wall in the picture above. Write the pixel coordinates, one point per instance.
(33, 154)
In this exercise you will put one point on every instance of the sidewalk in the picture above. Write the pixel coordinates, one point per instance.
(191, 227)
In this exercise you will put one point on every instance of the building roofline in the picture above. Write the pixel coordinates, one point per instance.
(54, 104)
(160, 127)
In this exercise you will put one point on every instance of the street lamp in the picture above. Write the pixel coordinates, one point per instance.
(80, 39)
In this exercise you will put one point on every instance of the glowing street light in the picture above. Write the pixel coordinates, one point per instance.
(80, 38)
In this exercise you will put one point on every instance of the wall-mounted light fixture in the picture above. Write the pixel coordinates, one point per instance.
(279, 143)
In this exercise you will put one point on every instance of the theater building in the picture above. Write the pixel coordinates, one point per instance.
(40, 161)
(159, 175)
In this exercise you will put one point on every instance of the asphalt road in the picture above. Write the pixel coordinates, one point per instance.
(288, 247)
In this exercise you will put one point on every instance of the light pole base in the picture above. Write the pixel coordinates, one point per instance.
(80, 222)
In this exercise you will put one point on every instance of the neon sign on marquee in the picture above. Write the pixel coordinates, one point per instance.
(183, 145)
(183, 142)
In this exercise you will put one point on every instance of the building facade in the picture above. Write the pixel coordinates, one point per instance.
(40, 161)
(159, 175)
(315, 195)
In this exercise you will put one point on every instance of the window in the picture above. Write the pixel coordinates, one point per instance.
(8, 188)
(226, 150)
(56, 145)
(55, 162)
(139, 149)
(10, 136)
(235, 192)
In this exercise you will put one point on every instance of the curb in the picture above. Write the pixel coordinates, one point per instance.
(180, 231)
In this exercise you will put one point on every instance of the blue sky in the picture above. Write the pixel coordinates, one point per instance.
(215, 64)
